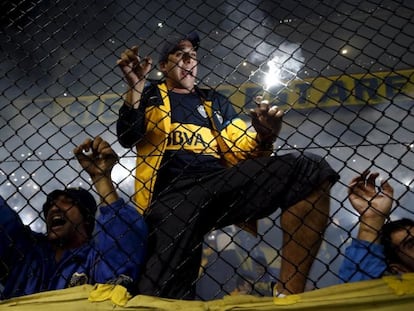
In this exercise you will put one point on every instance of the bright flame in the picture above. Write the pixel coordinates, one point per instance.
(273, 76)
(284, 66)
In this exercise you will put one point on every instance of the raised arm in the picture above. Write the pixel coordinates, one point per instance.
(131, 120)
(372, 203)
(364, 258)
(97, 158)
(135, 72)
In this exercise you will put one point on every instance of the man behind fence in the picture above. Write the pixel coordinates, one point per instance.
(198, 168)
(380, 247)
(71, 253)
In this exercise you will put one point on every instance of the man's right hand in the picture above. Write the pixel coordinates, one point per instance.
(133, 68)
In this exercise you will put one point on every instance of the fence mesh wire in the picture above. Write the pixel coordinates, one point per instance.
(343, 71)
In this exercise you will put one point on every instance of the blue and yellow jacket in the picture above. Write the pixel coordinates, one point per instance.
(148, 128)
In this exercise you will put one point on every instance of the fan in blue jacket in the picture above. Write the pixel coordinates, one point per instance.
(74, 251)
(379, 248)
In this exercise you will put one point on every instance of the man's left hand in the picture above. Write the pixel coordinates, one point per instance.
(267, 120)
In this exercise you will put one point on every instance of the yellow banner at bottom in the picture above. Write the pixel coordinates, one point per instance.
(388, 293)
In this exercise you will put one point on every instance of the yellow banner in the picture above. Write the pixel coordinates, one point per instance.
(358, 89)
(321, 92)
(391, 293)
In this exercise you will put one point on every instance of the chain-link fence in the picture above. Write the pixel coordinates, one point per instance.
(342, 70)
